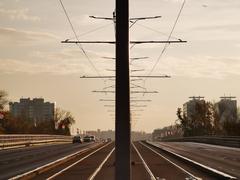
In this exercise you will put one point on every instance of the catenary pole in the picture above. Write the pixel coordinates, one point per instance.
(122, 119)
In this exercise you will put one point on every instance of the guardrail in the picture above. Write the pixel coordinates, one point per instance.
(15, 140)
(231, 141)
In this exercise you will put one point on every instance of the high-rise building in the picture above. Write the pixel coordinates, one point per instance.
(190, 108)
(226, 109)
(35, 109)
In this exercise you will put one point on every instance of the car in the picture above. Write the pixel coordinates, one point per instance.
(77, 139)
(93, 139)
(87, 139)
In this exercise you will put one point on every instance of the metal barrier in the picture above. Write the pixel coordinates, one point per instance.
(14, 140)
(231, 141)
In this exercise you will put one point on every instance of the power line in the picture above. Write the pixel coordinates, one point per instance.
(93, 30)
(75, 34)
(154, 30)
(170, 35)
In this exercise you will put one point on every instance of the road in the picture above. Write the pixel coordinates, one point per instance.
(20, 160)
(97, 161)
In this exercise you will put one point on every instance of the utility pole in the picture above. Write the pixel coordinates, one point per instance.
(122, 122)
(122, 88)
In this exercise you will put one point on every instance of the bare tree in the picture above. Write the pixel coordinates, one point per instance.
(63, 120)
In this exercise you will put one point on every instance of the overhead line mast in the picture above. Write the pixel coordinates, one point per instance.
(122, 96)
(122, 103)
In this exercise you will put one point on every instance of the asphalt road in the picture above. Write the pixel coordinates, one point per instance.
(17, 161)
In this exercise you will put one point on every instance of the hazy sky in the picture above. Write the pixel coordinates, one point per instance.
(33, 62)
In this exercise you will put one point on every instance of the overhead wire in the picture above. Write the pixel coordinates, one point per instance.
(93, 30)
(167, 44)
(78, 44)
(154, 30)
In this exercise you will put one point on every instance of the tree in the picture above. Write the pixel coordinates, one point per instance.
(3, 99)
(198, 123)
(45, 127)
(184, 123)
(63, 120)
(218, 128)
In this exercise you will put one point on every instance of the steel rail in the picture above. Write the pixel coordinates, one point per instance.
(190, 174)
(70, 166)
(144, 163)
(101, 165)
(213, 171)
(48, 166)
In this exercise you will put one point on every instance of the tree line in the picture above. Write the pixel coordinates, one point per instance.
(207, 121)
(60, 124)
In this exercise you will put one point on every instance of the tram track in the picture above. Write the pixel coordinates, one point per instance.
(147, 162)
(182, 168)
(81, 167)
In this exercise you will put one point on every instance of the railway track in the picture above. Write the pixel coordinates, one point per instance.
(148, 162)
(167, 165)
(159, 166)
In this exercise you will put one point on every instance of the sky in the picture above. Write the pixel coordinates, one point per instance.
(34, 62)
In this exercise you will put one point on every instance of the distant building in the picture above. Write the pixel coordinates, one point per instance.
(135, 135)
(35, 109)
(140, 135)
(101, 134)
(226, 109)
(190, 108)
(166, 132)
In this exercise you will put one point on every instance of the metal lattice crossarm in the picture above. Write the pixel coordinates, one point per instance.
(133, 92)
(134, 58)
(136, 115)
(137, 110)
(103, 91)
(112, 100)
(131, 42)
(108, 105)
(144, 92)
(130, 19)
(136, 76)
(138, 105)
(134, 70)
(141, 100)
(134, 100)
(111, 111)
